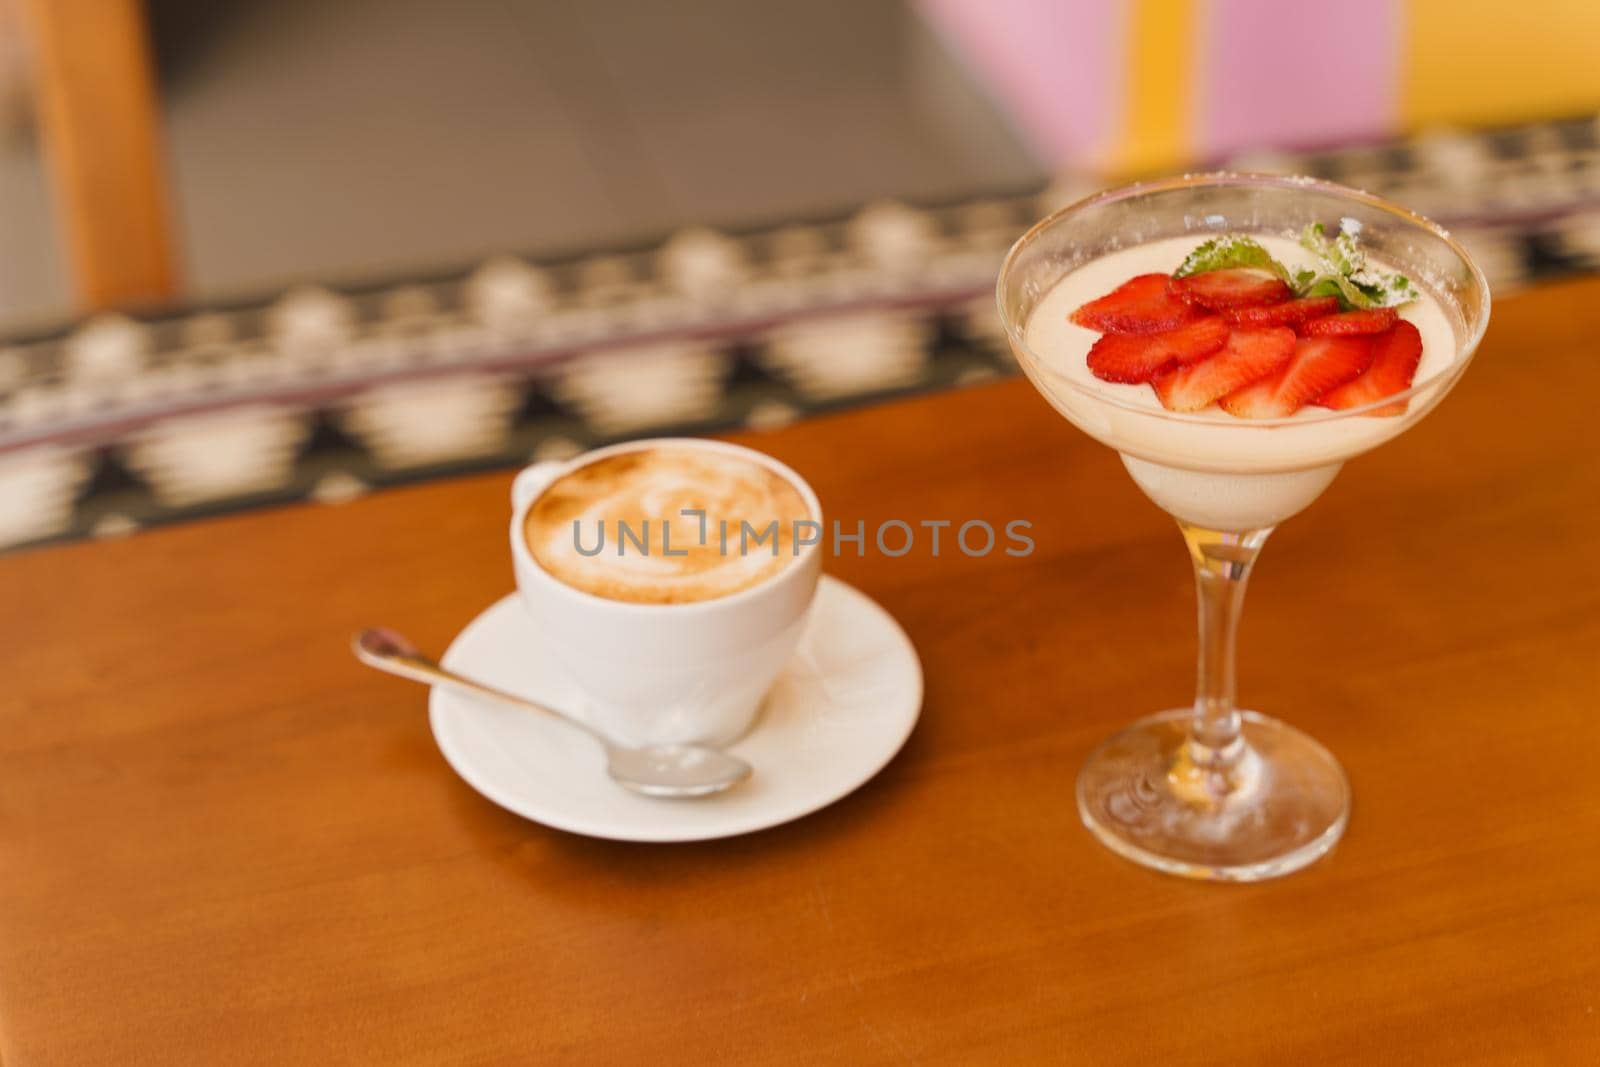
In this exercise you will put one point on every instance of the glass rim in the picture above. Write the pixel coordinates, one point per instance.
(1225, 179)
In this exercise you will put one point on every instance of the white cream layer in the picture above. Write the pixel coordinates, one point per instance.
(1215, 441)
(1210, 468)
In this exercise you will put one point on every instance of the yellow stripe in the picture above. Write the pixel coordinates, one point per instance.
(1161, 42)
(1482, 61)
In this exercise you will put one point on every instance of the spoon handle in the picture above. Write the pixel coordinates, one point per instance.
(391, 653)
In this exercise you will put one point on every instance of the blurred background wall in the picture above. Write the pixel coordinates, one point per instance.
(1122, 86)
(349, 138)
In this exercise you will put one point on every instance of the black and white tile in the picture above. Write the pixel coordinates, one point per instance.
(324, 393)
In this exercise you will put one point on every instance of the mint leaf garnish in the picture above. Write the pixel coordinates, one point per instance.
(1230, 251)
(1343, 271)
(1341, 267)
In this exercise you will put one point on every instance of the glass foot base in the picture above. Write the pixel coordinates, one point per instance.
(1280, 804)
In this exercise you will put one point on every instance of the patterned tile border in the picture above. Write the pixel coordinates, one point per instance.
(116, 423)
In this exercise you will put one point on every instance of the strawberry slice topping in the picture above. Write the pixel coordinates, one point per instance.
(1131, 358)
(1370, 320)
(1233, 287)
(1288, 313)
(1249, 356)
(1395, 356)
(1318, 365)
(1143, 304)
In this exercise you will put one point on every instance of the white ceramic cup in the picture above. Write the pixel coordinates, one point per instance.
(667, 673)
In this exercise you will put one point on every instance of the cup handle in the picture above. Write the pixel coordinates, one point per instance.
(531, 481)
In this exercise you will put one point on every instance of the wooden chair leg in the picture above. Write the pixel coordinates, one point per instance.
(99, 117)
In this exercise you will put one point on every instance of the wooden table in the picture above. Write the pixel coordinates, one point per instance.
(222, 841)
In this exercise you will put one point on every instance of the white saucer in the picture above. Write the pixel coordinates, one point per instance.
(837, 715)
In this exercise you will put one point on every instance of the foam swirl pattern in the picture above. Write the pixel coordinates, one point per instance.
(617, 528)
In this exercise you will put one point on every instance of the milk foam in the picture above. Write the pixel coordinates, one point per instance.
(632, 506)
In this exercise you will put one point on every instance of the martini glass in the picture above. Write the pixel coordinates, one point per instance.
(1211, 791)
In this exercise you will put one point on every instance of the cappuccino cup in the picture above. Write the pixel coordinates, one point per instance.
(670, 579)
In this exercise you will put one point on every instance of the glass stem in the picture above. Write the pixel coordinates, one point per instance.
(1216, 763)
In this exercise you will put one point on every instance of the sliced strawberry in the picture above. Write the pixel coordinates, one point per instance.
(1395, 356)
(1288, 313)
(1249, 356)
(1318, 365)
(1119, 357)
(1234, 287)
(1145, 304)
(1370, 320)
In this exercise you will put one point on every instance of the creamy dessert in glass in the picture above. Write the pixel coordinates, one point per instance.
(1236, 338)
